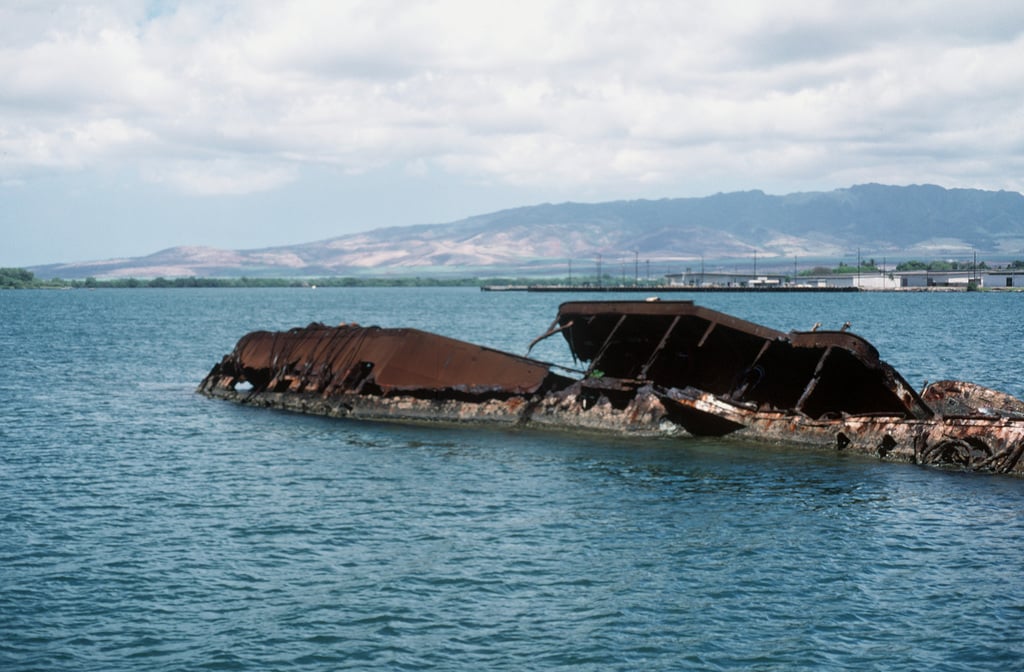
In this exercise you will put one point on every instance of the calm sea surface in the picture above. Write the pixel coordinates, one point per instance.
(143, 527)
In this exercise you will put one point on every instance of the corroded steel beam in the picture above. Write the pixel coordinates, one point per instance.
(679, 344)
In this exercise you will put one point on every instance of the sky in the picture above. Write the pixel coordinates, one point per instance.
(130, 126)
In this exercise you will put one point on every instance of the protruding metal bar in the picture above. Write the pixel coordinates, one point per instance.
(658, 349)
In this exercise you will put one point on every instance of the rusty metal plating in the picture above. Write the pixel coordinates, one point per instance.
(653, 367)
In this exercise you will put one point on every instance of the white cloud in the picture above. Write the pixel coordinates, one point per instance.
(232, 176)
(575, 95)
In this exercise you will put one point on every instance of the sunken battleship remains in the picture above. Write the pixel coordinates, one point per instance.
(653, 367)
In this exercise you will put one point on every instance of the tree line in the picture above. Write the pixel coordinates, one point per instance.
(869, 266)
(20, 278)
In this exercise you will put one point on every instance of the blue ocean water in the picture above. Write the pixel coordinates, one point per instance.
(145, 527)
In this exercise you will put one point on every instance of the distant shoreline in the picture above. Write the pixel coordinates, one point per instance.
(23, 279)
(659, 288)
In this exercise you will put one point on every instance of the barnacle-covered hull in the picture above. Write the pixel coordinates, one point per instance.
(652, 368)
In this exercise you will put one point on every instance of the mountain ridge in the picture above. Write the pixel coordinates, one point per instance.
(897, 221)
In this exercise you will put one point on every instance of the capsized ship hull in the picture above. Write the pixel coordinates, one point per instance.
(652, 367)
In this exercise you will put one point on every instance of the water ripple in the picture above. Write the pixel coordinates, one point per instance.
(143, 527)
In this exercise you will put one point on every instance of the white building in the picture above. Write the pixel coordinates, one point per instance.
(862, 280)
(960, 278)
(868, 280)
(719, 279)
(1007, 278)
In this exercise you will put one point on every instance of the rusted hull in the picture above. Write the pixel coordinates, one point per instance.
(654, 369)
(352, 359)
(975, 442)
(571, 408)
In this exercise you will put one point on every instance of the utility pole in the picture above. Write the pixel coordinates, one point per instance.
(598, 269)
(636, 267)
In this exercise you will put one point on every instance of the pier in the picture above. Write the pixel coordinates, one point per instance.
(662, 288)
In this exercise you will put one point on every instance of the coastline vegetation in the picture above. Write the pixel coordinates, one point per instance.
(20, 278)
(869, 265)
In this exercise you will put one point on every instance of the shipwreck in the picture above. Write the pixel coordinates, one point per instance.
(651, 367)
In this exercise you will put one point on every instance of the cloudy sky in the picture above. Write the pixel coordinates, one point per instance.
(130, 126)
